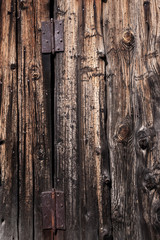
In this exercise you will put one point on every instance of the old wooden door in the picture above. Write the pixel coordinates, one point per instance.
(102, 98)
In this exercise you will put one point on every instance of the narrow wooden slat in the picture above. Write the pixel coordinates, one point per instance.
(65, 107)
(95, 223)
(80, 140)
(34, 76)
(8, 122)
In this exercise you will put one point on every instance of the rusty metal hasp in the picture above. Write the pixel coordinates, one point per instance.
(53, 210)
(53, 36)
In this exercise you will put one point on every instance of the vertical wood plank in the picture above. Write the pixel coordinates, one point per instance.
(131, 33)
(66, 133)
(80, 141)
(34, 76)
(8, 121)
(93, 154)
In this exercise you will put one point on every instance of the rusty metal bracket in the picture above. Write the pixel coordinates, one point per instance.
(53, 210)
(53, 36)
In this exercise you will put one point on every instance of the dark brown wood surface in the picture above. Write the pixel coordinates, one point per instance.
(101, 97)
(116, 105)
(8, 122)
(25, 120)
(81, 154)
(131, 37)
(34, 86)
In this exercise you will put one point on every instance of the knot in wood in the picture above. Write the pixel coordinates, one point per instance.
(106, 233)
(146, 3)
(117, 215)
(34, 72)
(143, 143)
(149, 181)
(143, 140)
(146, 138)
(98, 150)
(13, 66)
(23, 5)
(106, 178)
(128, 40)
(123, 133)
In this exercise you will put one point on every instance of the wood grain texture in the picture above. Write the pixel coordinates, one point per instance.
(131, 34)
(25, 122)
(66, 146)
(34, 86)
(8, 121)
(80, 139)
(93, 146)
(106, 119)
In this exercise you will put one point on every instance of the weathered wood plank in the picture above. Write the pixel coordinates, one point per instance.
(8, 121)
(131, 33)
(66, 149)
(95, 223)
(80, 140)
(34, 76)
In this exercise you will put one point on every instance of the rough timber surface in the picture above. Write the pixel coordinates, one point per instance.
(8, 122)
(106, 119)
(25, 127)
(132, 38)
(34, 76)
(81, 163)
